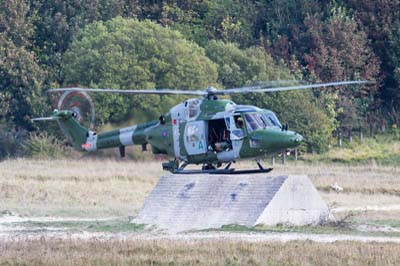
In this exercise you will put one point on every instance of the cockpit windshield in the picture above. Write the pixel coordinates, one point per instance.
(254, 121)
(262, 120)
(270, 119)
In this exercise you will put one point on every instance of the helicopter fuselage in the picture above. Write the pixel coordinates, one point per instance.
(205, 131)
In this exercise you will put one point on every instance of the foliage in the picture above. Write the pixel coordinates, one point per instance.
(380, 19)
(76, 42)
(126, 53)
(21, 77)
(57, 22)
(382, 149)
(394, 49)
(10, 142)
(44, 146)
(238, 67)
(338, 50)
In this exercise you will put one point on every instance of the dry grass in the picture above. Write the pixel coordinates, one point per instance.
(367, 179)
(84, 187)
(108, 187)
(166, 252)
(118, 188)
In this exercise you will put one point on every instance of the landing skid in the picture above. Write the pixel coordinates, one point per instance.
(231, 171)
(210, 169)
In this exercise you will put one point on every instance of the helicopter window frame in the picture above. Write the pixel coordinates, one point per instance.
(193, 132)
(193, 108)
(254, 121)
(271, 119)
(237, 132)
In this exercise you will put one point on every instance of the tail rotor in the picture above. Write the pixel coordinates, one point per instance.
(81, 104)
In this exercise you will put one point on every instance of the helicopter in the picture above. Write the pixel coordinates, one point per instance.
(206, 130)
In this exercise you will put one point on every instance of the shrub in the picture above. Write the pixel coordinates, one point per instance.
(42, 146)
(10, 142)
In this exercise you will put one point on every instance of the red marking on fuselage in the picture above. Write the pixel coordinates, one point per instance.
(86, 146)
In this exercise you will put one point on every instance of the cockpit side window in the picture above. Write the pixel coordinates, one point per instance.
(238, 121)
(193, 108)
(237, 128)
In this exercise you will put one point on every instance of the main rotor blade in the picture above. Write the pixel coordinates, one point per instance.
(276, 83)
(262, 87)
(160, 91)
(288, 88)
(43, 118)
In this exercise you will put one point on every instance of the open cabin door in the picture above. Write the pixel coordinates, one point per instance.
(236, 127)
(194, 138)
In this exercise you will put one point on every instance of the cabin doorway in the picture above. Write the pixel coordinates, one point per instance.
(218, 136)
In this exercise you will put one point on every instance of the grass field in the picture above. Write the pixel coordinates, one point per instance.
(113, 190)
(382, 149)
(164, 252)
(77, 188)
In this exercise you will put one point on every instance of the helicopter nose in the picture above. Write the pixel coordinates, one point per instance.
(293, 139)
(277, 139)
(297, 138)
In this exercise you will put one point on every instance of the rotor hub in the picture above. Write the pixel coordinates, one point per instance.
(211, 93)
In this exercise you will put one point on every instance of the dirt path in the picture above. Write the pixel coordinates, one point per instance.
(14, 228)
(190, 237)
(393, 207)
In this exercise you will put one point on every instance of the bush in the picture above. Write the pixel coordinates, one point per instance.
(10, 143)
(43, 146)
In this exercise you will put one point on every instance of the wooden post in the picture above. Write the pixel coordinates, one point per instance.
(361, 134)
(295, 154)
(383, 127)
(340, 138)
(283, 157)
(350, 135)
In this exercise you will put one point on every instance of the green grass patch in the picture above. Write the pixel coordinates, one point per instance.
(112, 226)
(116, 227)
(347, 228)
(391, 223)
(382, 149)
(317, 229)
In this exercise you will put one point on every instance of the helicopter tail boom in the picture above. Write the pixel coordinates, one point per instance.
(133, 135)
(84, 139)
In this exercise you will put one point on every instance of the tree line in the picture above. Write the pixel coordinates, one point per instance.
(197, 43)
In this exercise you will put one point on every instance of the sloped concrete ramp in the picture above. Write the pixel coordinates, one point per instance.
(185, 202)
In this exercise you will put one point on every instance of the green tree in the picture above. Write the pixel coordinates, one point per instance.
(234, 21)
(394, 49)
(380, 19)
(21, 77)
(338, 49)
(238, 67)
(187, 17)
(128, 54)
(57, 21)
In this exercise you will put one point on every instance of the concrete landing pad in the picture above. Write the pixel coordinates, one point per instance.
(185, 202)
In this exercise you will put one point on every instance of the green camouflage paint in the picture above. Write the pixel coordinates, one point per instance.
(160, 134)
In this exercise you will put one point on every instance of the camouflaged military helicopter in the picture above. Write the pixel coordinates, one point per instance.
(204, 131)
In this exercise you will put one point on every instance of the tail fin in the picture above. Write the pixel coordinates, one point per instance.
(75, 132)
